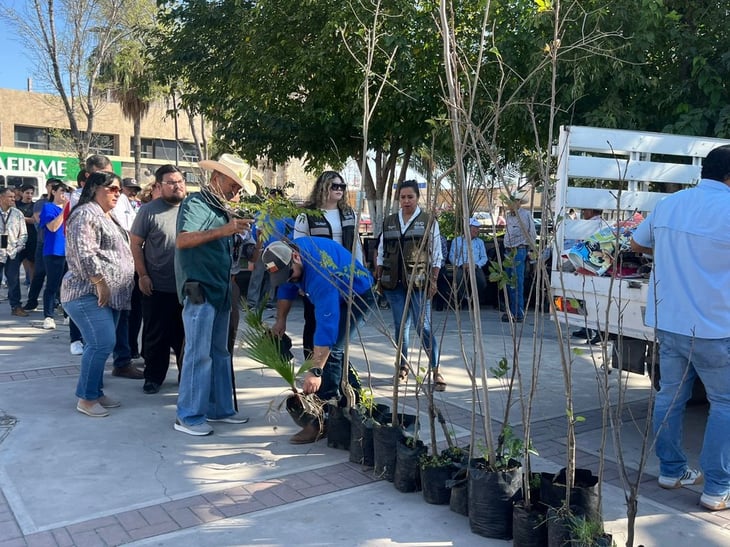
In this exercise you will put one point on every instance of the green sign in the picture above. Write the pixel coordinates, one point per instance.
(62, 167)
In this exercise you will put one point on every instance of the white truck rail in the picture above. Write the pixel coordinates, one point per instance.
(646, 166)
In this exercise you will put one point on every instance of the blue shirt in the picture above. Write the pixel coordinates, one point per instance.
(54, 243)
(326, 281)
(689, 289)
(459, 253)
(282, 228)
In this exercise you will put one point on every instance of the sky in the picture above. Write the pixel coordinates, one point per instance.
(15, 67)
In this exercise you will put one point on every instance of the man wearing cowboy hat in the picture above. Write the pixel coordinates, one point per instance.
(202, 272)
(519, 238)
(320, 268)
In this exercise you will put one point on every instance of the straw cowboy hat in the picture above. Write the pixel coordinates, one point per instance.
(234, 167)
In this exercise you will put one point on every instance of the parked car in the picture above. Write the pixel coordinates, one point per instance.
(537, 215)
(484, 218)
(366, 225)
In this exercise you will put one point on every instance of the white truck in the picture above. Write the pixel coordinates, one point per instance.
(620, 172)
(12, 178)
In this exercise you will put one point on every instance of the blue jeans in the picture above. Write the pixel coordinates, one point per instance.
(206, 386)
(55, 268)
(12, 273)
(516, 284)
(97, 327)
(419, 311)
(39, 276)
(362, 304)
(683, 358)
(258, 285)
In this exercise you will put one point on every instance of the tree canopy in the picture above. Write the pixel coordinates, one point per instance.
(282, 82)
(279, 82)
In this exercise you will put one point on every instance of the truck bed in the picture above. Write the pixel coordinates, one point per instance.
(620, 172)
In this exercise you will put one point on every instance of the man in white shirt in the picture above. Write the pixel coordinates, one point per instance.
(126, 208)
(13, 234)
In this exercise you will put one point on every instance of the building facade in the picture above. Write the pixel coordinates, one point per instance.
(34, 137)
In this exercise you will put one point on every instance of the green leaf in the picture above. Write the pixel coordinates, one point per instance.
(544, 5)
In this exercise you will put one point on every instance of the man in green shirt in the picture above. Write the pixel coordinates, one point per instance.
(202, 270)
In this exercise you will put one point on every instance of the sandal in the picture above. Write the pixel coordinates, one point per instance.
(403, 374)
(439, 384)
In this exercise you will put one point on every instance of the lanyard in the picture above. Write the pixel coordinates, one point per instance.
(5, 217)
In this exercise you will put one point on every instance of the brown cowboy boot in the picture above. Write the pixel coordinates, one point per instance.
(309, 434)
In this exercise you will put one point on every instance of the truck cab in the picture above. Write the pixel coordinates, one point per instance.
(12, 178)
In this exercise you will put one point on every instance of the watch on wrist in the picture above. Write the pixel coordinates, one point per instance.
(316, 371)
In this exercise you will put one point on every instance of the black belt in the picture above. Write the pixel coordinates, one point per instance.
(518, 247)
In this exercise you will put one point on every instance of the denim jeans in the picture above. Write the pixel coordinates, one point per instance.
(258, 285)
(683, 358)
(55, 268)
(419, 311)
(39, 276)
(97, 326)
(516, 285)
(362, 304)
(12, 273)
(206, 386)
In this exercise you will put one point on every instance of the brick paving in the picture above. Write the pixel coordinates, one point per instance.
(199, 509)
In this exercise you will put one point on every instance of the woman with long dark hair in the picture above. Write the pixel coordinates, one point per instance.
(98, 284)
(407, 262)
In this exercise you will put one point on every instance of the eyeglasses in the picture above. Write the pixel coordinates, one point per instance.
(173, 182)
(335, 186)
(113, 189)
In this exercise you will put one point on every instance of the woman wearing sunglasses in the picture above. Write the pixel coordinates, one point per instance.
(98, 284)
(335, 220)
(408, 264)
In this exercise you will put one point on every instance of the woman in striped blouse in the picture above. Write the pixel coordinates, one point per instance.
(98, 284)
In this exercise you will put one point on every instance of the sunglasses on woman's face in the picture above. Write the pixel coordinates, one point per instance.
(336, 186)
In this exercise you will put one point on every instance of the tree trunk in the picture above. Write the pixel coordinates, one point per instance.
(137, 147)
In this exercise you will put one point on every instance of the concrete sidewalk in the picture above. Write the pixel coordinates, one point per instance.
(66, 479)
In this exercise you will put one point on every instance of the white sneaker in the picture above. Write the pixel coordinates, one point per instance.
(49, 323)
(197, 430)
(77, 348)
(235, 419)
(715, 503)
(690, 477)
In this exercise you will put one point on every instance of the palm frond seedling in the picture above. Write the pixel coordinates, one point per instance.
(274, 352)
